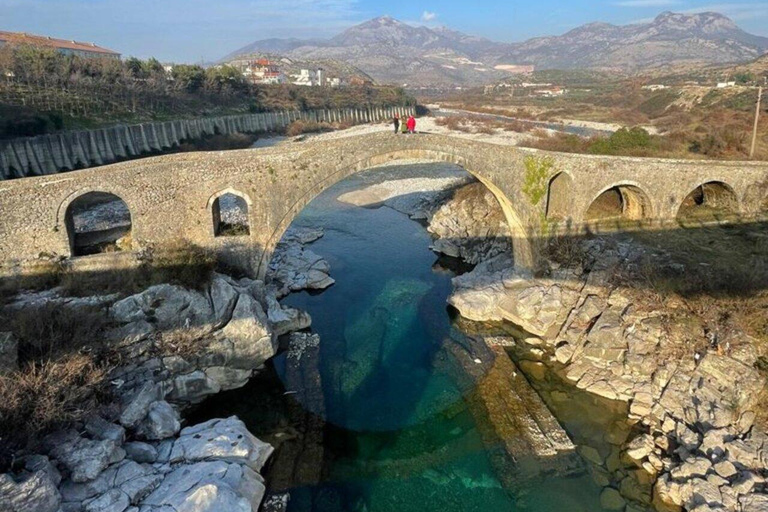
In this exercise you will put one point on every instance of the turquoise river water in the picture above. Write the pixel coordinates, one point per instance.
(397, 434)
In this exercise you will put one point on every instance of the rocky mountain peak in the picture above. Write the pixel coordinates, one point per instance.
(710, 22)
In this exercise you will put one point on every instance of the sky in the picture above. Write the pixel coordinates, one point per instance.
(206, 30)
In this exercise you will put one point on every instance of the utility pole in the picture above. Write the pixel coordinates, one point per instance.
(757, 118)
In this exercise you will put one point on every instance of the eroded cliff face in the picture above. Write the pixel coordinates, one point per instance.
(691, 391)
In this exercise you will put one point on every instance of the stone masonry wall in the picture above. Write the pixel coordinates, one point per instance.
(172, 196)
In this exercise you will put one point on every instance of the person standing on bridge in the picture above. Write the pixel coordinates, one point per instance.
(403, 126)
(396, 122)
(411, 124)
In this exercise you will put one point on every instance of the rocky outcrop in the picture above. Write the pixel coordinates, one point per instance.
(209, 467)
(694, 445)
(294, 267)
(195, 343)
(471, 226)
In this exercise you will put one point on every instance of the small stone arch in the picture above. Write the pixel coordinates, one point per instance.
(97, 222)
(560, 197)
(712, 200)
(230, 212)
(617, 203)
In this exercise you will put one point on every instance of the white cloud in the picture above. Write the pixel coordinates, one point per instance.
(646, 3)
(735, 11)
(428, 16)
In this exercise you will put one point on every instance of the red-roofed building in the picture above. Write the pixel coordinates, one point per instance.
(61, 45)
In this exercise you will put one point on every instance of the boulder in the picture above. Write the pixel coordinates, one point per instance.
(285, 319)
(193, 387)
(754, 503)
(214, 486)
(250, 341)
(693, 467)
(30, 492)
(100, 428)
(138, 406)
(140, 452)
(223, 299)
(295, 268)
(161, 422)
(86, 458)
(610, 499)
(169, 307)
(113, 500)
(640, 448)
(226, 440)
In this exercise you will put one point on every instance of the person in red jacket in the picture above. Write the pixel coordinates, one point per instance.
(411, 124)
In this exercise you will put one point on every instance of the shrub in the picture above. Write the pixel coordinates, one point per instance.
(45, 396)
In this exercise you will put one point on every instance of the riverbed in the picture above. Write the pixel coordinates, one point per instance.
(394, 426)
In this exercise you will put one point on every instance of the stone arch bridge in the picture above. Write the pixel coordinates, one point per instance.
(172, 197)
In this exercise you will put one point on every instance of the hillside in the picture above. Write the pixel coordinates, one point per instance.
(395, 52)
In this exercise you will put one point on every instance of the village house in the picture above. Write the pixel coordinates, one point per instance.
(63, 46)
(263, 71)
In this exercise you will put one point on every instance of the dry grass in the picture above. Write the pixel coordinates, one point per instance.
(181, 262)
(45, 396)
(63, 364)
(486, 126)
(180, 342)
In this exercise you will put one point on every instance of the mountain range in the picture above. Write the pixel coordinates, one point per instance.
(395, 52)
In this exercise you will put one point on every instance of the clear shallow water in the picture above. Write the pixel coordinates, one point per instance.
(399, 435)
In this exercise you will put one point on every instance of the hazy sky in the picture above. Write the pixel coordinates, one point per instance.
(195, 30)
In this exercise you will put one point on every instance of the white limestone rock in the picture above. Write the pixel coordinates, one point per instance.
(29, 492)
(169, 306)
(161, 422)
(113, 500)
(86, 458)
(226, 440)
(214, 486)
(138, 406)
(247, 336)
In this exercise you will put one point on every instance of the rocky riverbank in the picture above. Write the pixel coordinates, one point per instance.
(691, 392)
(175, 347)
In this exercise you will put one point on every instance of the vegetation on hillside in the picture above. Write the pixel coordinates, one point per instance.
(691, 120)
(42, 91)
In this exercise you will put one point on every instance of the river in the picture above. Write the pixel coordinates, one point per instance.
(397, 433)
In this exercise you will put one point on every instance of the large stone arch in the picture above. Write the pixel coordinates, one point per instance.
(623, 200)
(524, 254)
(716, 195)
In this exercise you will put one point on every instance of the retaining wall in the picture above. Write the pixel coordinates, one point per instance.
(50, 154)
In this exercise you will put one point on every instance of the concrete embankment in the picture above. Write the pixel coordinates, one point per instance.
(49, 154)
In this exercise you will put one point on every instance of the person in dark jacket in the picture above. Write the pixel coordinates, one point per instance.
(396, 122)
